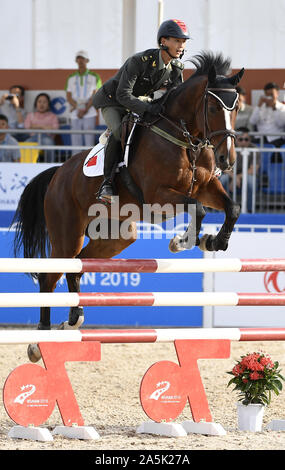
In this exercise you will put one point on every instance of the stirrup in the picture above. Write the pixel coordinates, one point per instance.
(106, 192)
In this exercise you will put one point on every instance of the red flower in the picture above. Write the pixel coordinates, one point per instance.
(255, 376)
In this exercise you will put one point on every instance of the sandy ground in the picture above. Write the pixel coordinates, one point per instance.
(108, 396)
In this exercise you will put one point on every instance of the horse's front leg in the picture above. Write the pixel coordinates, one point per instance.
(217, 198)
(190, 237)
(179, 203)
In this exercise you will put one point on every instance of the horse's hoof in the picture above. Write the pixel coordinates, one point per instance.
(175, 245)
(34, 353)
(66, 326)
(203, 241)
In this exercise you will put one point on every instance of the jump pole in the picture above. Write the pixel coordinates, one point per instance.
(119, 336)
(191, 265)
(137, 299)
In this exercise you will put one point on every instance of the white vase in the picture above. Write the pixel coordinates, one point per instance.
(250, 417)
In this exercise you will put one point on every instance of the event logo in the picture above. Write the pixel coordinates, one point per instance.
(25, 393)
(159, 391)
(274, 282)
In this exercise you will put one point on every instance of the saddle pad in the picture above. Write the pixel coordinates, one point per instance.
(94, 162)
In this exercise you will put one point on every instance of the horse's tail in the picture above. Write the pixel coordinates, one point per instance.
(29, 219)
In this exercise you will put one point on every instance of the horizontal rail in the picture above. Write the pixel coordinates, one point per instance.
(139, 299)
(191, 265)
(166, 335)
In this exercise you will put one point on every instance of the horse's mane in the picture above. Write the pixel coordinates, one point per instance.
(203, 63)
(207, 59)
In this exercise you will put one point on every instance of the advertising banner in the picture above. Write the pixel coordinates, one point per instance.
(251, 245)
(14, 177)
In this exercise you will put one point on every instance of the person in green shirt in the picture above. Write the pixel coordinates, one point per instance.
(81, 87)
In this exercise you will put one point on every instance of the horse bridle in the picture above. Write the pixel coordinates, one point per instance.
(208, 135)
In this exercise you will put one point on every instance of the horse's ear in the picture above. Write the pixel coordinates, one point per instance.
(235, 79)
(212, 74)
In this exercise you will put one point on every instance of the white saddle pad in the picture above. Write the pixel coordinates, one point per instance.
(94, 162)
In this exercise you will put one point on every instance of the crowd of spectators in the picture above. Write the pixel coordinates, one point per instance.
(80, 88)
(266, 118)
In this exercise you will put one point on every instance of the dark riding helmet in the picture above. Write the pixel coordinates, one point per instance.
(174, 29)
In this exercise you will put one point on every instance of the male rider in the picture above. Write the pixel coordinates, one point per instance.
(132, 87)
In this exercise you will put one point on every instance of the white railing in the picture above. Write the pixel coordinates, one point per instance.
(264, 198)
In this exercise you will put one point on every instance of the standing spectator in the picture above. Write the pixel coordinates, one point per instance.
(42, 118)
(80, 89)
(245, 110)
(7, 155)
(243, 141)
(12, 106)
(269, 115)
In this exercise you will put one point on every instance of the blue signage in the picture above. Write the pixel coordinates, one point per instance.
(112, 282)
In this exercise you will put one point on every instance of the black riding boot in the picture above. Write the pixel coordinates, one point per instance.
(112, 155)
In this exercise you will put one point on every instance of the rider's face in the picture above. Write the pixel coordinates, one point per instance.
(175, 46)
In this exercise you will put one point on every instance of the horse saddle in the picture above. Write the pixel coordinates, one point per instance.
(94, 162)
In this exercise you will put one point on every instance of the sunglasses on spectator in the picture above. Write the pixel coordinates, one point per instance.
(243, 139)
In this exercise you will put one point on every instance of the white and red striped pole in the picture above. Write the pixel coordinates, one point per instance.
(163, 335)
(191, 265)
(137, 299)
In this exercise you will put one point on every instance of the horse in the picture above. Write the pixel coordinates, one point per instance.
(173, 160)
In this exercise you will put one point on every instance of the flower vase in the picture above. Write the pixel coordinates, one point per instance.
(250, 417)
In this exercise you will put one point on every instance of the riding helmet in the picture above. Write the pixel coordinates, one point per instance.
(174, 29)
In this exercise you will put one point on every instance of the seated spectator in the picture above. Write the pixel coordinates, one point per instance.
(7, 155)
(42, 118)
(245, 111)
(12, 106)
(269, 115)
(243, 141)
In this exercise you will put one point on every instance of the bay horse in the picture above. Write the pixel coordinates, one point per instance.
(172, 161)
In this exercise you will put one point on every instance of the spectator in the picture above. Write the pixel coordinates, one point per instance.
(7, 155)
(42, 118)
(269, 115)
(12, 106)
(245, 111)
(243, 141)
(80, 89)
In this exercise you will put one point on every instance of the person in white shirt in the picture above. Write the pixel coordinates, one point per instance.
(80, 89)
(269, 115)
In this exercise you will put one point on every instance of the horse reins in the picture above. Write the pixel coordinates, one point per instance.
(208, 134)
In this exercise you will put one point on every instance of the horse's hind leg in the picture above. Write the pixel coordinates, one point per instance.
(76, 315)
(47, 282)
(100, 248)
(216, 197)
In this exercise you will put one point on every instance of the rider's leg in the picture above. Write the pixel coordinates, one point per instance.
(112, 155)
(113, 117)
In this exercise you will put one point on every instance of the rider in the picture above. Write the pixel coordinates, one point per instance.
(133, 85)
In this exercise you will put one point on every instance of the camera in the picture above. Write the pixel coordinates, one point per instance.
(10, 97)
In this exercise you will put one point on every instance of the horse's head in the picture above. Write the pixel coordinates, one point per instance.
(220, 109)
(217, 106)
